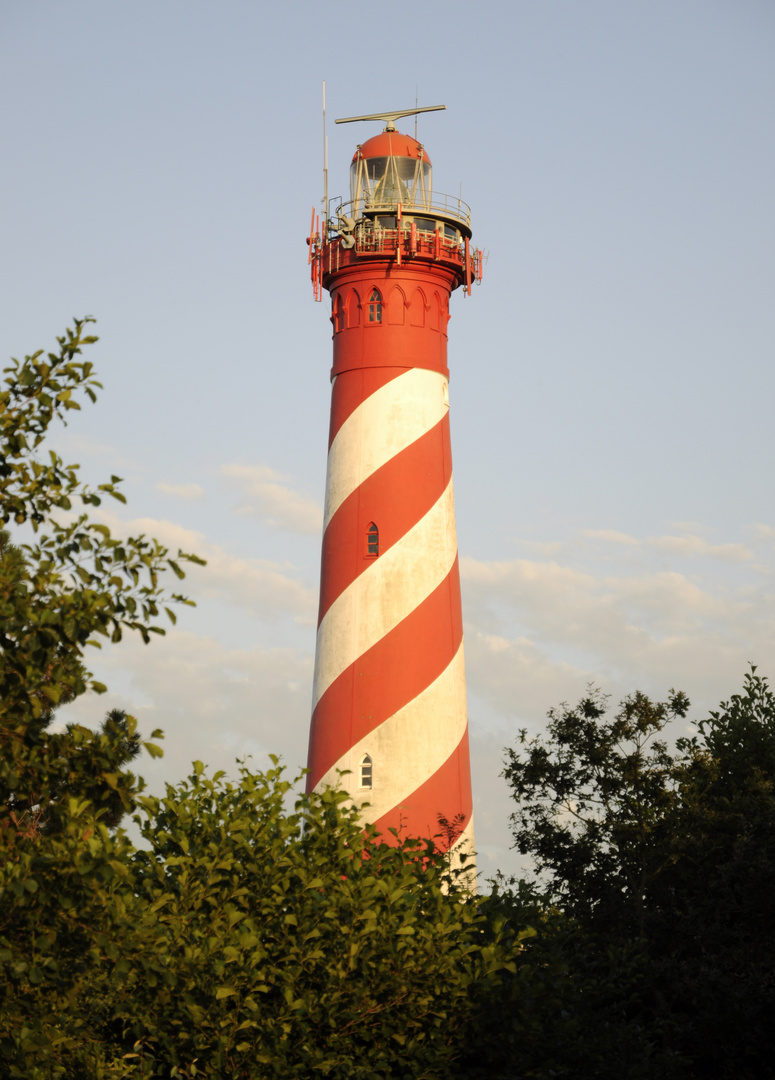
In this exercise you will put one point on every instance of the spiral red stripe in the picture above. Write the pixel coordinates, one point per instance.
(397, 495)
(387, 676)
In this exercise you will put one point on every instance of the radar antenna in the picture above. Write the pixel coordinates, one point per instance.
(390, 117)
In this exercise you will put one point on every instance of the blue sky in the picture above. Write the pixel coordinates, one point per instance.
(612, 379)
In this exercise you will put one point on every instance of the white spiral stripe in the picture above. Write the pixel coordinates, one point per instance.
(390, 589)
(431, 724)
(383, 425)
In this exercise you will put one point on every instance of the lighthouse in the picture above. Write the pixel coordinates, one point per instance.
(389, 697)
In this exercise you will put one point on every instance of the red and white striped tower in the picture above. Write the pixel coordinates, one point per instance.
(389, 698)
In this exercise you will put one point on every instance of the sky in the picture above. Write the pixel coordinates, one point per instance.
(612, 379)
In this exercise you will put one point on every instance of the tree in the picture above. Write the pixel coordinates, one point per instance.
(665, 865)
(590, 798)
(714, 932)
(78, 580)
(69, 584)
(64, 583)
(246, 940)
(286, 942)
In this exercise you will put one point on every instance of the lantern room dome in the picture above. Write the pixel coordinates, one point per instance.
(392, 144)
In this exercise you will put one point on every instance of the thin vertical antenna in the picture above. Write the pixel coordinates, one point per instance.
(416, 102)
(325, 167)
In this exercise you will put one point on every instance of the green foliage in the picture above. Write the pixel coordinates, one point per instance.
(70, 581)
(714, 922)
(66, 906)
(286, 943)
(664, 867)
(77, 579)
(246, 940)
(567, 1010)
(60, 792)
(590, 797)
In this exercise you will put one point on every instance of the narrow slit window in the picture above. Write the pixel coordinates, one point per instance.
(366, 770)
(372, 541)
(375, 306)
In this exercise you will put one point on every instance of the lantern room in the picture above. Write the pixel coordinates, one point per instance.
(391, 179)
(393, 212)
(391, 168)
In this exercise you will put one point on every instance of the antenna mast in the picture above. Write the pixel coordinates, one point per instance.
(325, 167)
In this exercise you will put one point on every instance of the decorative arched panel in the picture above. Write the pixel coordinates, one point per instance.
(352, 309)
(337, 315)
(417, 308)
(435, 312)
(396, 307)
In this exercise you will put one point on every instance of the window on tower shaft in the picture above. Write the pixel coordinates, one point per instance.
(366, 771)
(372, 541)
(375, 306)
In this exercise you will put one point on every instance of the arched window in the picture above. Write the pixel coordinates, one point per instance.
(366, 772)
(375, 306)
(372, 541)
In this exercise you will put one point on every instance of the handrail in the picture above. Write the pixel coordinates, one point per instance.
(447, 206)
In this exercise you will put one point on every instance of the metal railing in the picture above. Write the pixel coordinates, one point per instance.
(445, 206)
(372, 238)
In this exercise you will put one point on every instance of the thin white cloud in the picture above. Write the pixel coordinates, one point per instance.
(187, 492)
(265, 493)
(696, 545)
(71, 444)
(264, 588)
(650, 629)
(518, 678)
(611, 536)
(212, 702)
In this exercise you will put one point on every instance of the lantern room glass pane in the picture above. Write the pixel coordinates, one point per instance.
(387, 180)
